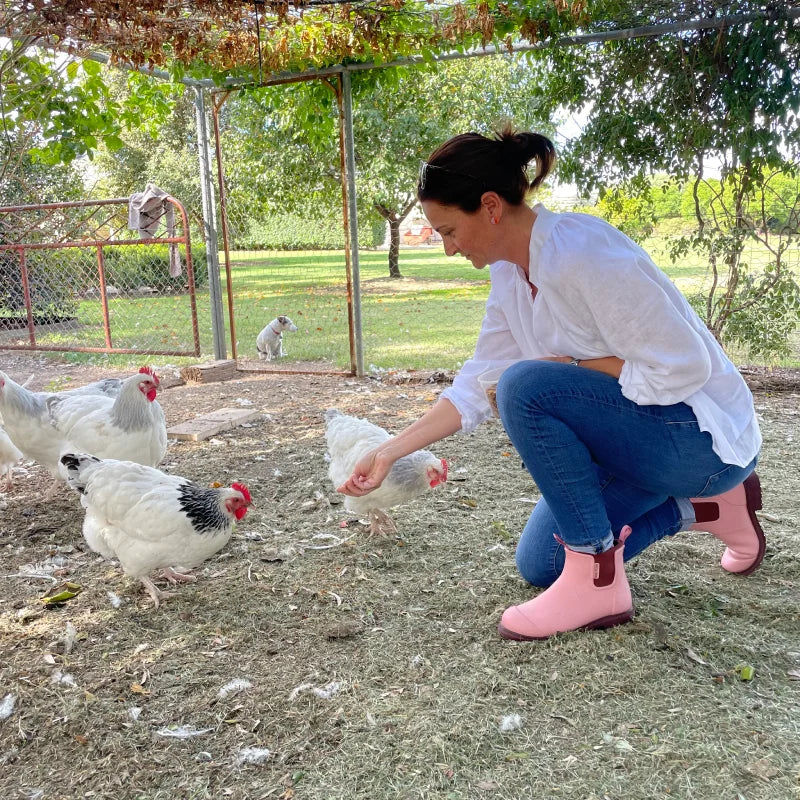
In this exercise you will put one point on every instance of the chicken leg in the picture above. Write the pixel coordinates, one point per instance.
(155, 593)
(176, 576)
(53, 488)
(381, 524)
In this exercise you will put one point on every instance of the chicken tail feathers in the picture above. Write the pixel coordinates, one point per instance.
(72, 468)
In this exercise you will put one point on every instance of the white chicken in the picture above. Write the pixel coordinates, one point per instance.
(348, 439)
(130, 427)
(148, 519)
(9, 455)
(27, 421)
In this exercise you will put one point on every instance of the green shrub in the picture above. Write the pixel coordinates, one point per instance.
(50, 282)
(290, 232)
(676, 226)
(130, 266)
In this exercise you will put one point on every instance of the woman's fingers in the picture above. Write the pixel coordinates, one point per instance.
(357, 485)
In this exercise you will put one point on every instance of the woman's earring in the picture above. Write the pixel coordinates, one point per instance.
(495, 220)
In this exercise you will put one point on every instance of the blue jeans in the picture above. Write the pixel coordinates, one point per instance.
(601, 462)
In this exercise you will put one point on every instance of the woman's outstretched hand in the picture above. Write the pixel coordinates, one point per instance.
(368, 474)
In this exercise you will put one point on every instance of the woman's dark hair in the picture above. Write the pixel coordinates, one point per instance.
(459, 171)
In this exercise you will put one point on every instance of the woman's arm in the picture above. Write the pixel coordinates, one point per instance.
(611, 365)
(369, 473)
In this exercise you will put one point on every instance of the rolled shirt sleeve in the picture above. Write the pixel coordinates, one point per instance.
(496, 349)
(637, 312)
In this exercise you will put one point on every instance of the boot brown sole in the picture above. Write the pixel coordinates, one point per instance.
(752, 491)
(603, 622)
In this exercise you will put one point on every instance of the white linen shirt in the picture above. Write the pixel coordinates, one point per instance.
(600, 294)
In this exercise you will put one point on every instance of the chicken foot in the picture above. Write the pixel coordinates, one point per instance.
(381, 524)
(176, 576)
(54, 487)
(155, 593)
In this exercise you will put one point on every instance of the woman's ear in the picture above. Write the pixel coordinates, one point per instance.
(492, 205)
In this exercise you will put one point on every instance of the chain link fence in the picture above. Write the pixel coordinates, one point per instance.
(75, 277)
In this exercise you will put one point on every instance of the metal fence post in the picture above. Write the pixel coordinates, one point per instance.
(210, 227)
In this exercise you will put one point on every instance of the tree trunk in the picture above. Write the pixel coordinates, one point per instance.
(394, 218)
(394, 248)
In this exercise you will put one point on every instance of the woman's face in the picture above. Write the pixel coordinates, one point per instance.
(469, 234)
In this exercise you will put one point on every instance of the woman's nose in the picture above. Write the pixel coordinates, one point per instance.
(450, 249)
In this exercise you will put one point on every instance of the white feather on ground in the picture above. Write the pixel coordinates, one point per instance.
(348, 439)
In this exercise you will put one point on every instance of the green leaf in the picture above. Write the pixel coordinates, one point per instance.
(91, 67)
(61, 593)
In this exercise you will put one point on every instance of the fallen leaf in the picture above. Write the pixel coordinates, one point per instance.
(61, 593)
(794, 674)
(623, 745)
(345, 628)
(763, 768)
(137, 688)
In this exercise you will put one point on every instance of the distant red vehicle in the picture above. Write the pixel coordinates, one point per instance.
(419, 234)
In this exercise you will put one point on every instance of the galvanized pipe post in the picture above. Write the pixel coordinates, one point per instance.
(210, 227)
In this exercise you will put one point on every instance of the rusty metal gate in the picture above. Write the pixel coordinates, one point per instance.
(75, 277)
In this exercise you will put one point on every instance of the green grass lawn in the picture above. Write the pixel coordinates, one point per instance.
(429, 319)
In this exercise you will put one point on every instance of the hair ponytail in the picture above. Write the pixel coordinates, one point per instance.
(524, 147)
(462, 169)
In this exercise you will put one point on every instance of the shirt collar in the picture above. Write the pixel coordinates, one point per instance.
(542, 226)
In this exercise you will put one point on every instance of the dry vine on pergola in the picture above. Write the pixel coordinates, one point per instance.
(214, 37)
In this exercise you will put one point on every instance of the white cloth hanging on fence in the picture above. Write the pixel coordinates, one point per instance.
(145, 210)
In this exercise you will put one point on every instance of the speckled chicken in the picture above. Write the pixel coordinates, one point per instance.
(148, 519)
(348, 439)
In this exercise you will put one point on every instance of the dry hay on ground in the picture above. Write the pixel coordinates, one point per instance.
(374, 670)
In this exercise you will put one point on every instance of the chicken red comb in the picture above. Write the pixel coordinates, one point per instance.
(240, 487)
(149, 371)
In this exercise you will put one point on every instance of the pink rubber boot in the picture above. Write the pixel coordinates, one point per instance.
(591, 592)
(731, 517)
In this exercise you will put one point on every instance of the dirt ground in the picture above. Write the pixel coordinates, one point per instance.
(312, 662)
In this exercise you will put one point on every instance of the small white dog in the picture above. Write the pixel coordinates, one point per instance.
(270, 341)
